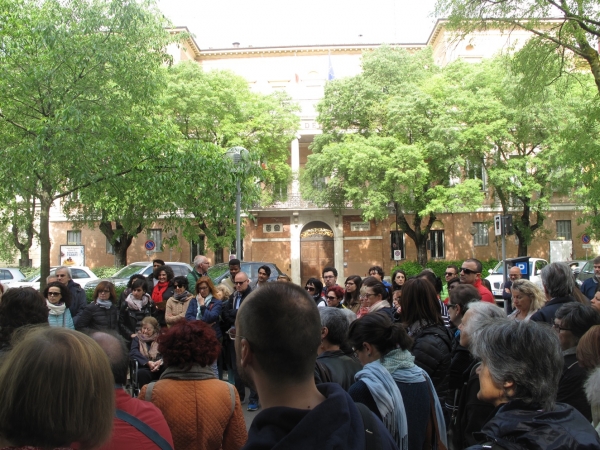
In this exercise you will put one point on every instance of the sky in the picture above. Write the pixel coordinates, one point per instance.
(261, 23)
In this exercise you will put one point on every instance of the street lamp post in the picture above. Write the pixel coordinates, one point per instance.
(238, 156)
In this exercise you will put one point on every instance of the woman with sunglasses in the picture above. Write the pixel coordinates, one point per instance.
(177, 305)
(314, 287)
(102, 313)
(58, 299)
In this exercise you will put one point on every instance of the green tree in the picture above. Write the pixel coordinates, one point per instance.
(515, 139)
(214, 111)
(76, 82)
(573, 32)
(390, 139)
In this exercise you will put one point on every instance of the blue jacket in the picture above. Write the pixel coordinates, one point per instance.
(209, 315)
(64, 320)
(589, 287)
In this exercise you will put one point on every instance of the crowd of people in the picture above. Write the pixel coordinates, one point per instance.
(412, 364)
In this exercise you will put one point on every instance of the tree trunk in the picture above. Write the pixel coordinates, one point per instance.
(418, 235)
(422, 252)
(45, 205)
(121, 242)
(24, 261)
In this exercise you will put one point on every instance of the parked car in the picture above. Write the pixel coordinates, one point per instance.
(220, 272)
(586, 272)
(121, 278)
(82, 275)
(9, 275)
(576, 265)
(497, 273)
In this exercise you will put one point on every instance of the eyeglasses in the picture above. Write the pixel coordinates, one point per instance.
(232, 335)
(366, 295)
(355, 352)
(449, 274)
(104, 291)
(452, 305)
(559, 328)
(468, 271)
(331, 298)
(53, 294)
(308, 288)
(237, 283)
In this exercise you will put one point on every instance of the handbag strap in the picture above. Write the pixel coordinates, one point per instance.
(144, 428)
(149, 389)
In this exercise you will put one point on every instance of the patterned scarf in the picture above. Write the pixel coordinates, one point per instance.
(148, 353)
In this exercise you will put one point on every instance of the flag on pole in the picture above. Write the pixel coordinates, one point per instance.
(330, 74)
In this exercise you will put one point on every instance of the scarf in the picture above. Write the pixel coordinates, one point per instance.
(400, 363)
(379, 305)
(207, 301)
(135, 304)
(149, 353)
(182, 297)
(362, 311)
(56, 310)
(388, 399)
(196, 372)
(106, 304)
(159, 290)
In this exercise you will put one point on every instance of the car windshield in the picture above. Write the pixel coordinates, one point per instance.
(218, 270)
(33, 277)
(127, 271)
(589, 267)
(499, 268)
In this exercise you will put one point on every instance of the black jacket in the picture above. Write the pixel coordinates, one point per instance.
(470, 414)
(546, 314)
(335, 423)
(570, 386)
(78, 300)
(518, 426)
(98, 318)
(431, 349)
(228, 312)
(130, 321)
(336, 367)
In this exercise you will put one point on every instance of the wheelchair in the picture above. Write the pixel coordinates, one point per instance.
(133, 386)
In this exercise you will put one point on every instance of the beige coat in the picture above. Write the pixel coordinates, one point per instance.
(176, 310)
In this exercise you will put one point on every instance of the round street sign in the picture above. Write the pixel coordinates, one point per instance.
(149, 245)
(585, 239)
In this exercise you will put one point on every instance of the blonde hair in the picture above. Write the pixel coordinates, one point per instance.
(224, 290)
(529, 289)
(57, 389)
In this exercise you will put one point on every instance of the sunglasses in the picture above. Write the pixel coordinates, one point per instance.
(237, 283)
(53, 294)
(331, 298)
(177, 286)
(468, 271)
(449, 274)
(309, 288)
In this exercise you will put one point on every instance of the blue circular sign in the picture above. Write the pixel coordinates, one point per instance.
(586, 239)
(149, 245)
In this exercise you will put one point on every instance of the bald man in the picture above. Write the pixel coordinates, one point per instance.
(514, 273)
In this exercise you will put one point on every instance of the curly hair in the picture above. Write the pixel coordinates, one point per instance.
(166, 269)
(106, 285)
(337, 290)
(531, 290)
(65, 294)
(187, 343)
(20, 307)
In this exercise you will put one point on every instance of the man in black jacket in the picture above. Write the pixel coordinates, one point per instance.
(228, 315)
(558, 283)
(78, 298)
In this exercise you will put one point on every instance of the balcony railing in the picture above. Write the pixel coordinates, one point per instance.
(293, 201)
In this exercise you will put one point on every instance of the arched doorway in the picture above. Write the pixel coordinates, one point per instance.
(316, 250)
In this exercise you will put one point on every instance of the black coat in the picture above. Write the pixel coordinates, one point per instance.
(336, 367)
(548, 311)
(130, 321)
(519, 426)
(228, 312)
(78, 300)
(432, 348)
(98, 318)
(570, 386)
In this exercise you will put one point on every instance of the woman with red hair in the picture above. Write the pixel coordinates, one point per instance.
(202, 411)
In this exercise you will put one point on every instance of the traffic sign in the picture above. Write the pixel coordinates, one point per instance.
(149, 245)
(586, 239)
(397, 255)
(586, 246)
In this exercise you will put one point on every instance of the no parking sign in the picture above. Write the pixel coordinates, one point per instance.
(149, 245)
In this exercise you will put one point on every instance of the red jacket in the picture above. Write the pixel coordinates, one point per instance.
(486, 295)
(125, 436)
